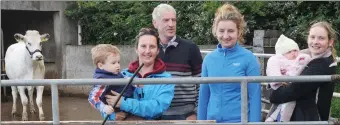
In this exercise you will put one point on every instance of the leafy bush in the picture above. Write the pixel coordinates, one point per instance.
(119, 21)
(335, 108)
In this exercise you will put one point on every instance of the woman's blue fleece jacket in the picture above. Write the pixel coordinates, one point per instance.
(222, 101)
(150, 101)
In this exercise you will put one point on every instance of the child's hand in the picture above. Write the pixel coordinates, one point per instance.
(275, 85)
(108, 109)
(283, 71)
(284, 83)
(120, 116)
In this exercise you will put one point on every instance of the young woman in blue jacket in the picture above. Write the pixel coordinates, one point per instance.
(149, 101)
(222, 101)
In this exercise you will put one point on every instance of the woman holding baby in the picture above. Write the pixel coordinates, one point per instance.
(312, 99)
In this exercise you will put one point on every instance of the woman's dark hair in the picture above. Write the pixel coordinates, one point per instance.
(147, 31)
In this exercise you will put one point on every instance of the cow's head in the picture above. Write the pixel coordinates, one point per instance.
(33, 41)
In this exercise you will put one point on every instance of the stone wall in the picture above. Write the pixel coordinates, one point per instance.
(78, 64)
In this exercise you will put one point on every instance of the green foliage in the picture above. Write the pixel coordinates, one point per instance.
(335, 108)
(119, 21)
(110, 22)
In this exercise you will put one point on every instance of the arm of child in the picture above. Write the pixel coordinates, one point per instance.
(302, 62)
(274, 69)
(94, 95)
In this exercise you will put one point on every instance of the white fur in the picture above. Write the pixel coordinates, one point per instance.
(21, 65)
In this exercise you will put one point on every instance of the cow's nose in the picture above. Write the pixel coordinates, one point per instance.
(39, 57)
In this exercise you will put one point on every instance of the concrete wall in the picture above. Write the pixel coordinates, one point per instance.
(78, 64)
(33, 5)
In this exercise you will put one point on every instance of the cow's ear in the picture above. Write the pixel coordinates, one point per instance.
(19, 37)
(45, 37)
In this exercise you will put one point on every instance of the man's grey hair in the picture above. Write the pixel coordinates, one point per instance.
(160, 9)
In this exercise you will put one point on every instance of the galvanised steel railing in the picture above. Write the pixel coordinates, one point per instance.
(191, 80)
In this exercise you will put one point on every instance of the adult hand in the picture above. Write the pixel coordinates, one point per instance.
(192, 117)
(112, 99)
(108, 109)
(120, 116)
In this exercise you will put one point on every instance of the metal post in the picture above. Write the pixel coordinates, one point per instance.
(2, 53)
(244, 102)
(55, 104)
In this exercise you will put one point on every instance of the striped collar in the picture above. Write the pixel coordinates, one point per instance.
(172, 42)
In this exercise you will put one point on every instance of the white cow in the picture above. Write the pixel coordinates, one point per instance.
(24, 60)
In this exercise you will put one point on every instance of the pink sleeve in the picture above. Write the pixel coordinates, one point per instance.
(273, 66)
(273, 69)
(303, 60)
(307, 58)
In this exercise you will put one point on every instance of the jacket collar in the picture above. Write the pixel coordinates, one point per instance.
(158, 68)
(322, 55)
(326, 54)
(100, 73)
(227, 50)
(172, 42)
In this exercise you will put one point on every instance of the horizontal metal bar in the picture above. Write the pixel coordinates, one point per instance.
(205, 51)
(264, 111)
(188, 80)
(264, 83)
(182, 122)
(265, 55)
(265, 100)
(113, 122)
(335, 94)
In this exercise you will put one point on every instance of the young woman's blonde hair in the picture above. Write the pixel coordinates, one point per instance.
(101, 51)
(230, 12)
(331, 35)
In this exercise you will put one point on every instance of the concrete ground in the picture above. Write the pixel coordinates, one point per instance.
(70, 109)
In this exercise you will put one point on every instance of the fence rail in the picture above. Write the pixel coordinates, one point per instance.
(182, 122)
(187, 80)
(256, 54)
(201, 80)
